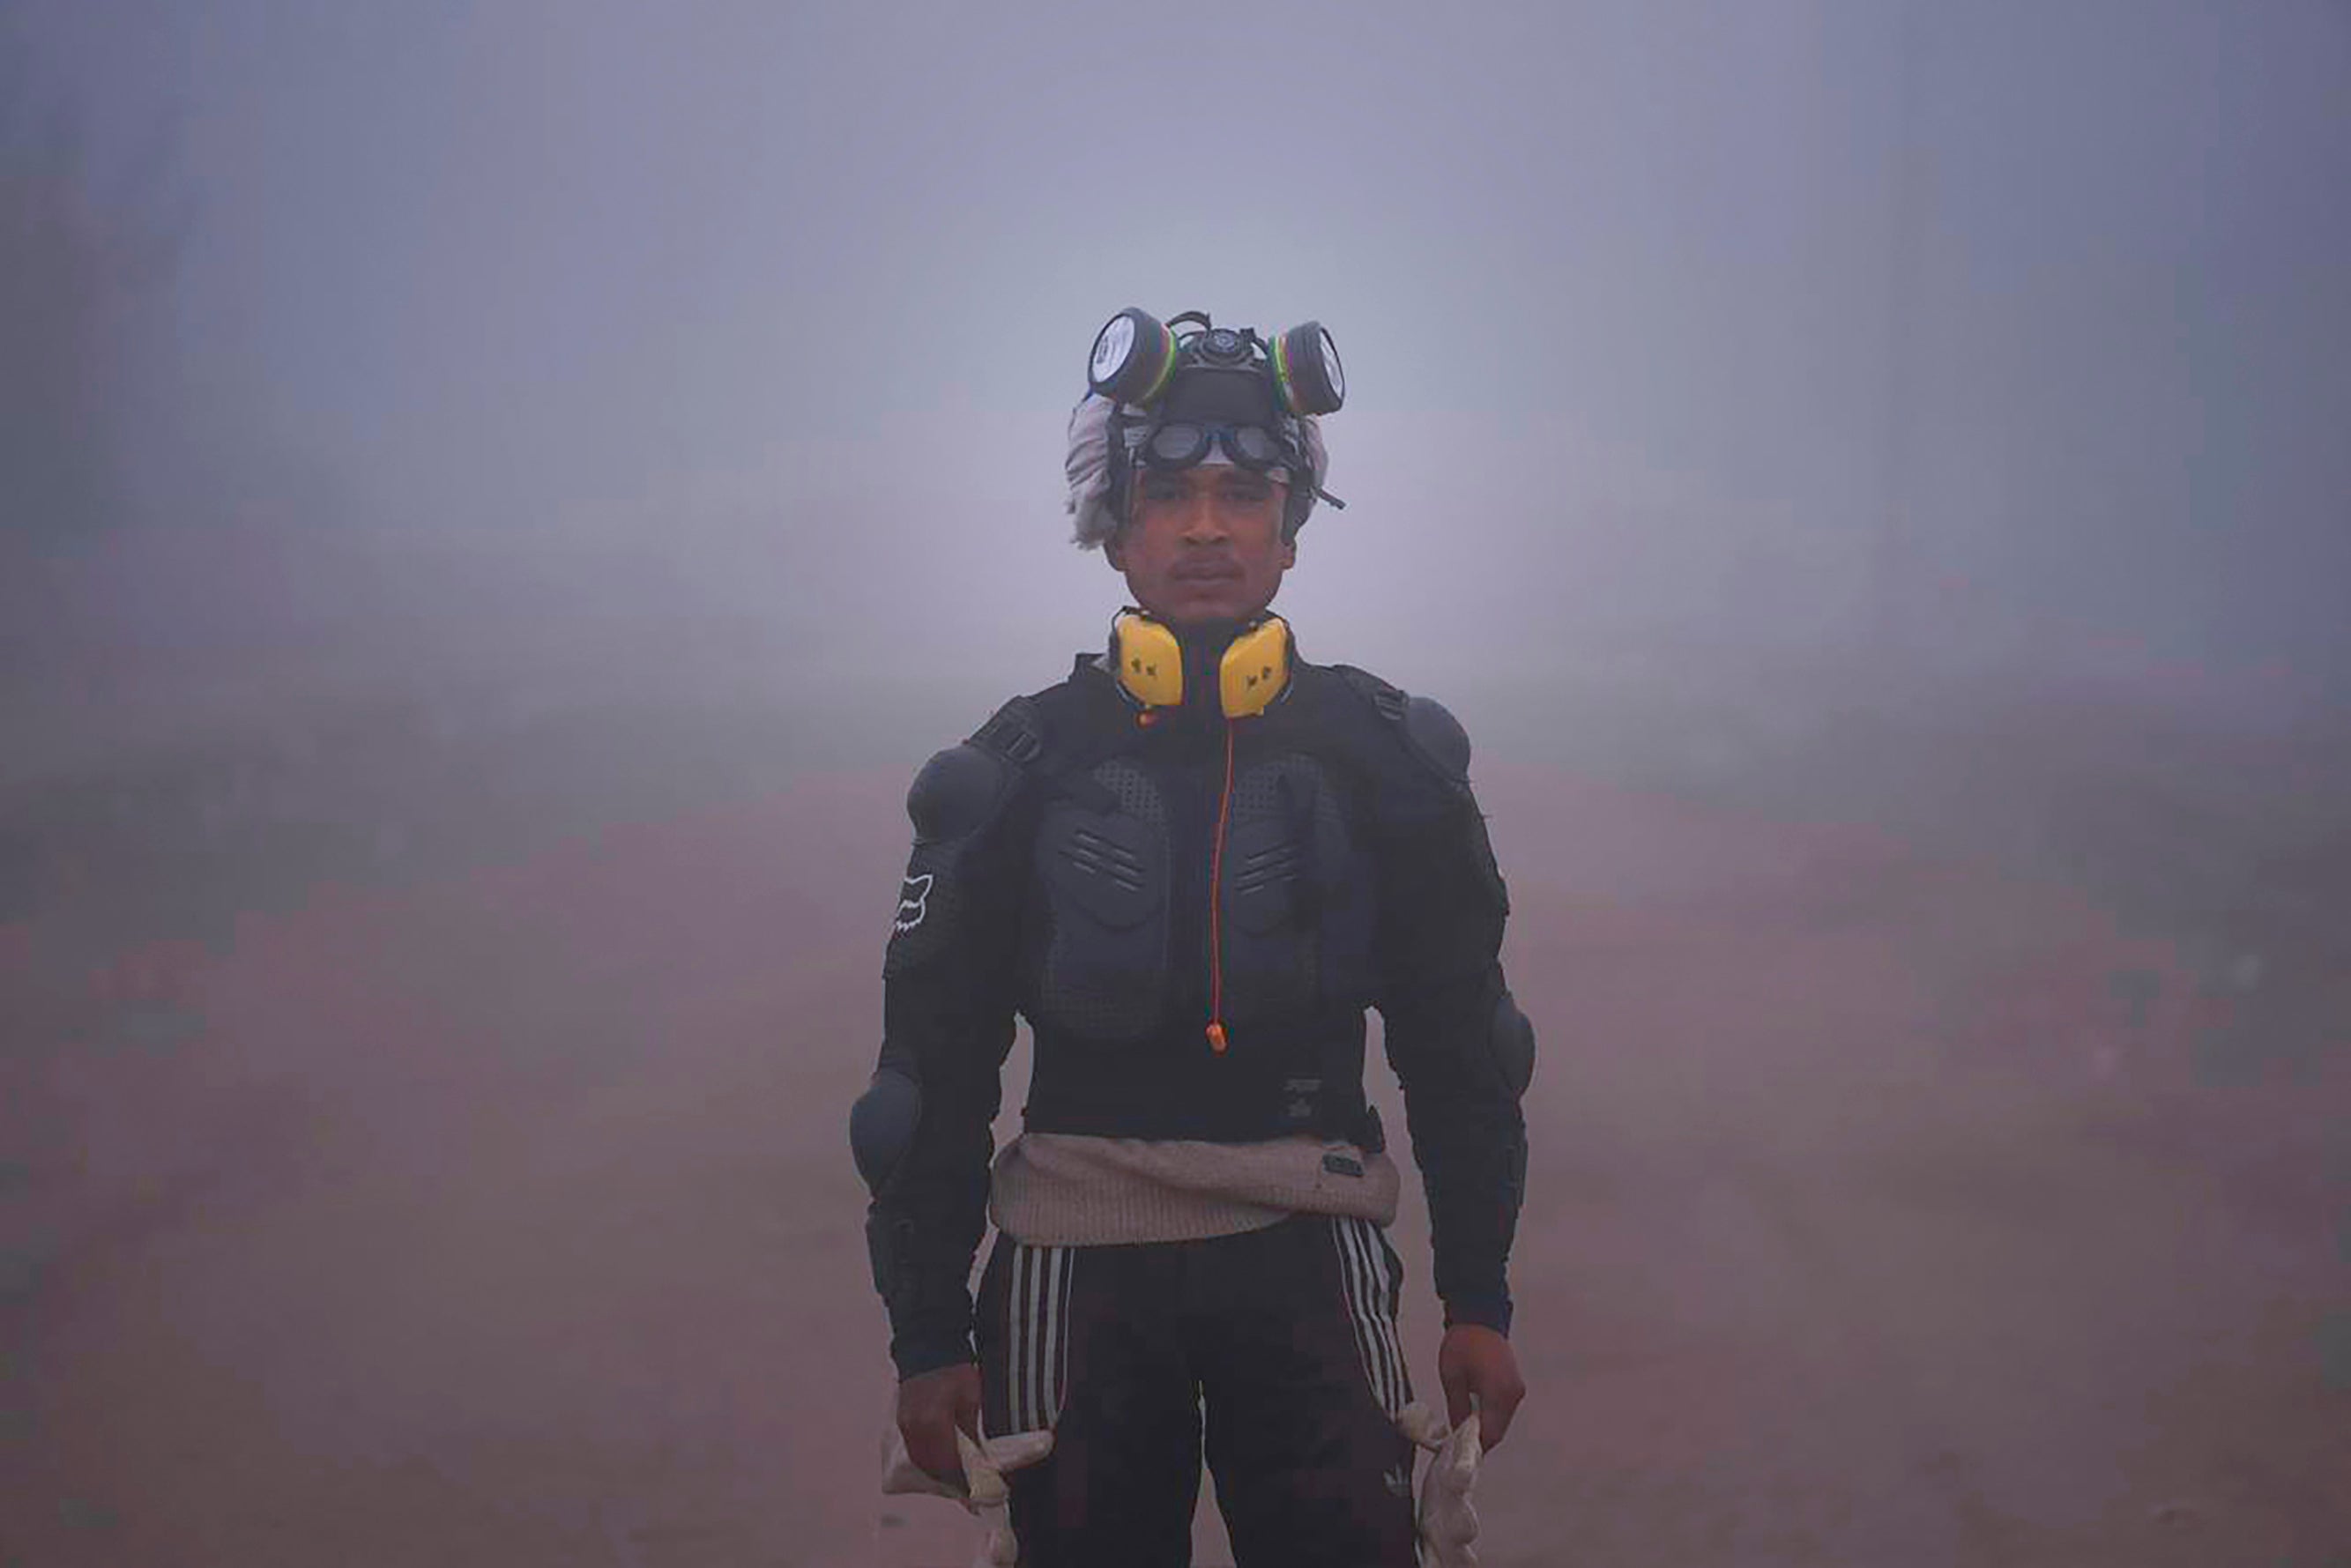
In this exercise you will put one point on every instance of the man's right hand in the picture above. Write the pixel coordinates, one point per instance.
(931, 1406)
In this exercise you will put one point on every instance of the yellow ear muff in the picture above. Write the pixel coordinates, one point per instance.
(1254, 669)
(1150, 661)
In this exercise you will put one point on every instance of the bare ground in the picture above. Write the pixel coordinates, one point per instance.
(1889, 1207)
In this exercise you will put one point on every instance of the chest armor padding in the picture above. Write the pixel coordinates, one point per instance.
(1295, 894)
(1104, 877)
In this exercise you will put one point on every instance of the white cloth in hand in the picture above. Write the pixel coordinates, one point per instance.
(983, 1493)
(1448, 1516)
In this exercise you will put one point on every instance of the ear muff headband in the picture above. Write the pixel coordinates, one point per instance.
(1254, 670)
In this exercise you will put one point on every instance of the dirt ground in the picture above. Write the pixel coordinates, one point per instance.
(1887, 1209)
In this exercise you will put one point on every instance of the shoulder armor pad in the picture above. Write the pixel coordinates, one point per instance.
(1429, 729)
(1389, 700)
(956, 791)
(1015, 732)
(961, 787)
(1437, 735)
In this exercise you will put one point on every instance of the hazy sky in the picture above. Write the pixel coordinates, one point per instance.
(1651, 312)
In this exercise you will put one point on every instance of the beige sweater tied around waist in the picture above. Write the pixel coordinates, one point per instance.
(1064, 1189)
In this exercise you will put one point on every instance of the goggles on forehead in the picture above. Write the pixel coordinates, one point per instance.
(1183, 444)
(1183, 391)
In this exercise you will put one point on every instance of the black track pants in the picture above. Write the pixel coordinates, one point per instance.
(1286, 1335)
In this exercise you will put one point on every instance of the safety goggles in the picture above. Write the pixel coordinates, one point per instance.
(1182, 444)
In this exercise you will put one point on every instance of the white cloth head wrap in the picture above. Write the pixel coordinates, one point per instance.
(1092, 523)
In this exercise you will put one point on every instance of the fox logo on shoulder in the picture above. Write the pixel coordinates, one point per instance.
(913, 902)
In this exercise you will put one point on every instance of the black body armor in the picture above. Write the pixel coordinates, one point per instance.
(1125, 879)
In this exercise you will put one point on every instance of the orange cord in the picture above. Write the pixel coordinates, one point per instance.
(1216, 1041)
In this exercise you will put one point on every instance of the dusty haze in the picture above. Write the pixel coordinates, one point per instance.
(497, 500)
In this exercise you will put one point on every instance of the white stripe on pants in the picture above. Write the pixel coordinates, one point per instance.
(1038, 1353)
(1371, 1305)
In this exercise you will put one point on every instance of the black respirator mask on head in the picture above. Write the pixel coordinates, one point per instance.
(1178, 395)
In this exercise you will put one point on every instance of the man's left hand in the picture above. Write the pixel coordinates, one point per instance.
(1475, 1362)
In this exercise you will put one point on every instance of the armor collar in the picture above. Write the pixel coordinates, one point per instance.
(1151, 663)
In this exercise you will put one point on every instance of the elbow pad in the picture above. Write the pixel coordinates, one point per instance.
(1510, 1042)
(882, 1126)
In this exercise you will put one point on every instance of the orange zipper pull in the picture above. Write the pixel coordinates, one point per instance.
(1216, 1041)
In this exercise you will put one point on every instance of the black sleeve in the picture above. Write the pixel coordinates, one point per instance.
(1457, 1041)
(947, 1024)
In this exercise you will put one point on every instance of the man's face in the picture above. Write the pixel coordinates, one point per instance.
(1203, 544)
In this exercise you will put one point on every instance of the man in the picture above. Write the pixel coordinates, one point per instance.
(1191, 866)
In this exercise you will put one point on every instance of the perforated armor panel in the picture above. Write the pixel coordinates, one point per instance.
(1104, 877)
